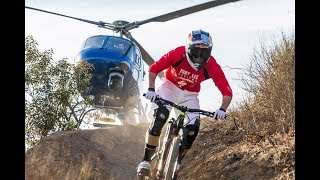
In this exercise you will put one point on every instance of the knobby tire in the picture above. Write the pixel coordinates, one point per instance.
(172, 158)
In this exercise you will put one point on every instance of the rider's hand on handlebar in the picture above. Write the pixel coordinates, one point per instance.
(151, 94)
(220, 114)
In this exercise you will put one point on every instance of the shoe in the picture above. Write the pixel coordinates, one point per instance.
(144, 168)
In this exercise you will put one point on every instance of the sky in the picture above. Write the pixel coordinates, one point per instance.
(236, 29)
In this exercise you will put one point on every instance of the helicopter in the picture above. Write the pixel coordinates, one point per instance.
(118, 62)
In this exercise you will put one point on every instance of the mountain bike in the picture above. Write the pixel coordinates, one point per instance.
(164, 160)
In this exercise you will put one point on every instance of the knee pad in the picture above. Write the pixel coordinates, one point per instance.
(151, 141)
(189, 135)
(160, 117)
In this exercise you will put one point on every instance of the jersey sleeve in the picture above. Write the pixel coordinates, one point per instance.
(167, 60)
(219, 79)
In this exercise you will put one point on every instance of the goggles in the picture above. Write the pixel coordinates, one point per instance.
(200, 51)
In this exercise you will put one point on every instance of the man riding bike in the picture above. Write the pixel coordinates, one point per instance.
(185, 68)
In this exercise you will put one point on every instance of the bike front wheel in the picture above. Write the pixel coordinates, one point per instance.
(172, 158)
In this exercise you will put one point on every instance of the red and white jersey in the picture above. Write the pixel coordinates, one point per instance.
(185, 77)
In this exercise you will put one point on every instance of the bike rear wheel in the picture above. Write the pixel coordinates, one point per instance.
(172, 158)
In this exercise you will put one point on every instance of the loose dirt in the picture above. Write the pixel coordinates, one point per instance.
(114, 153)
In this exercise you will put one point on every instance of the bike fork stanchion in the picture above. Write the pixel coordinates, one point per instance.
(165, 148)
(172, 158)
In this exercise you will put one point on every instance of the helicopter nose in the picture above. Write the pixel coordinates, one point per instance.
(115, 81)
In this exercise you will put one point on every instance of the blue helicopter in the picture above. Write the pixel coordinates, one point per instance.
(118, 61)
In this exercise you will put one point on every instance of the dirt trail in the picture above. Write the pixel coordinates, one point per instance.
(114, 153)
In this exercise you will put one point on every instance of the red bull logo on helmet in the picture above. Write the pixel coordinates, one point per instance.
(199, 37)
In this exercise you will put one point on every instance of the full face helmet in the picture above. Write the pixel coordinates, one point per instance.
(198, 48)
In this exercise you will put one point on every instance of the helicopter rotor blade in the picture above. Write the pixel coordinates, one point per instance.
(124, 28)
(100, 23)
(145, 55)
(180, 13)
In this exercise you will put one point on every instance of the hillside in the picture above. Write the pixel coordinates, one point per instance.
(219, 152)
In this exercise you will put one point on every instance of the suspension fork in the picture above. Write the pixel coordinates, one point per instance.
(182, 150)
(165, 145)
(171, 132)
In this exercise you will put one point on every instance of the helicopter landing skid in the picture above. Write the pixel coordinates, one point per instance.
(106, 117)
(109, 107)
(95, 124)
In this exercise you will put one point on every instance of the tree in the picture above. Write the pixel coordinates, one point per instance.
(53, 100)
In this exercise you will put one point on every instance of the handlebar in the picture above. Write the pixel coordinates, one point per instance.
(159, 100)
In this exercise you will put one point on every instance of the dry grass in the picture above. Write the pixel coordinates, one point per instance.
(267, 115)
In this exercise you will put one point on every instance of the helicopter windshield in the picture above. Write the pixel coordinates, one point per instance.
(94, 42)
(117, 44)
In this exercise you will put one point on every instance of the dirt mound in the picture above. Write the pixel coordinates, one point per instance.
(109, 153)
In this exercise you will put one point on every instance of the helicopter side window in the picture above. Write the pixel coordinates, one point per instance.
(130, 53)
(118, 44)
(94, 42)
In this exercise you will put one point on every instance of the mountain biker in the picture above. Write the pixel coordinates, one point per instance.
(186, 67)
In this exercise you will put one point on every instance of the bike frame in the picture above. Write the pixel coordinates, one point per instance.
(168, 150)
(172, 131)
